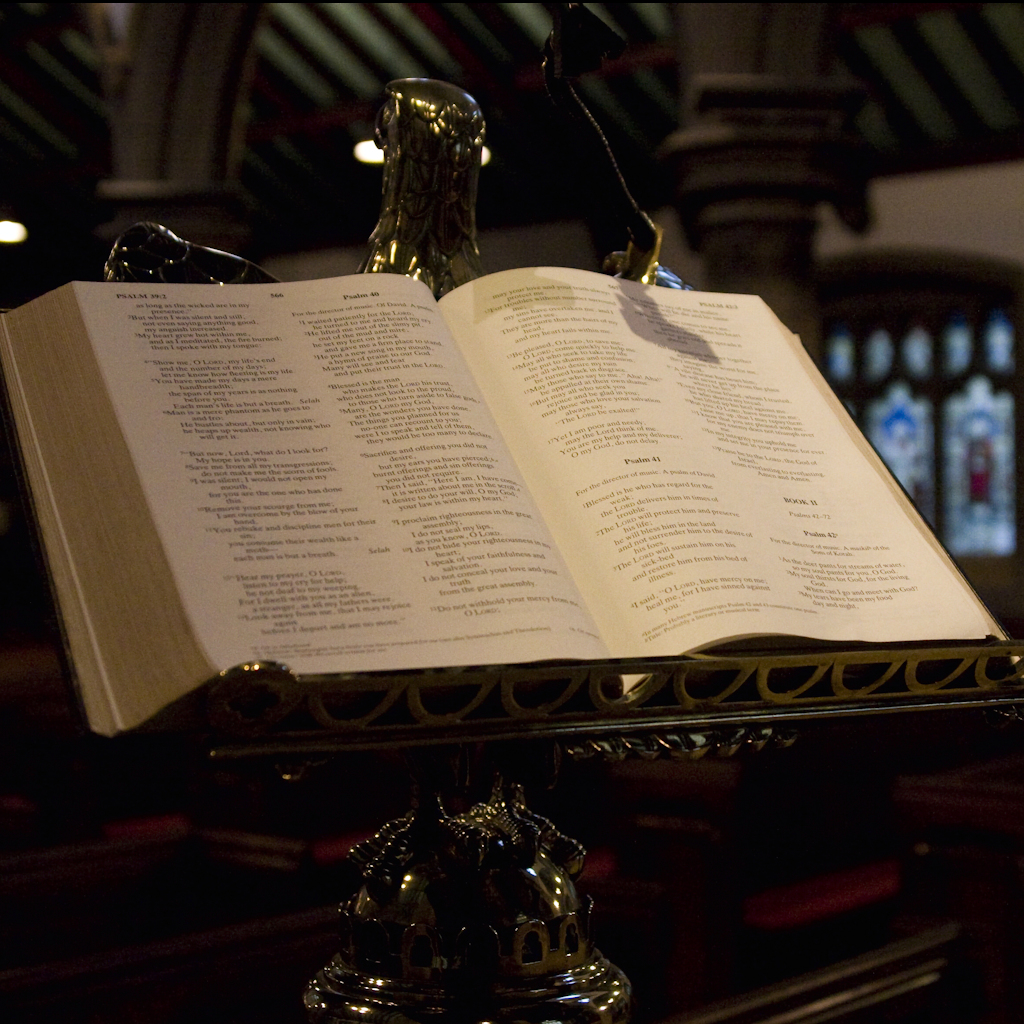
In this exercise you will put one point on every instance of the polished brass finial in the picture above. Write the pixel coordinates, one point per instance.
(432, 134)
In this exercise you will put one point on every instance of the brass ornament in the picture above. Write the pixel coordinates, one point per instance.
(474, 915)
(432, 134)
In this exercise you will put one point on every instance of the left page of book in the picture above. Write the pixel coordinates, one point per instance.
(327, 485)
(129, 643)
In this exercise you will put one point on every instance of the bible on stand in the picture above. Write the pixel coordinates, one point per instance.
(345, 475)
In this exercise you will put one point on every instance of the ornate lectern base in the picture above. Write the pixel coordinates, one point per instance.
(474, 918)
(596, 993)
(470, 918)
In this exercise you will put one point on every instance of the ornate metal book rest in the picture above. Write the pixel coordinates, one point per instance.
(474, 916)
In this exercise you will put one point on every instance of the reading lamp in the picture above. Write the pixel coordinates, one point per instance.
(475, 916)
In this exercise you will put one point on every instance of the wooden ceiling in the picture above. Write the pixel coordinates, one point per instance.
(945, 85)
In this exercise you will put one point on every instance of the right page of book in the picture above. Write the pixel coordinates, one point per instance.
(700, 477)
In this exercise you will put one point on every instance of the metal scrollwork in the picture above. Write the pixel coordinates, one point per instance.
(249, 699)
(580, 42)
(681, 746)
(149, 253)
(668, 702)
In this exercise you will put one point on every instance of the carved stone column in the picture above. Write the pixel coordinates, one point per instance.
(765, 139)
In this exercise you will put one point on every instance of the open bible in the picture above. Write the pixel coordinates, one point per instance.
(345, 475)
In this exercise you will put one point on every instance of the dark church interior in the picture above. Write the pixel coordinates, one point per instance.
(866, 868)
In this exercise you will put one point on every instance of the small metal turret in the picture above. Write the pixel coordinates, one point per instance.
(471, 917)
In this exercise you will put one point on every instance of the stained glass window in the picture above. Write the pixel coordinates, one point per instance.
(978, 470)
(900, 427)
(999, 343)
(841, 354)
(933, 385)
(917, 353)
(940, 411)
(878, 355)
(957, 345)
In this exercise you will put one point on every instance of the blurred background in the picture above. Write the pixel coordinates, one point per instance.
(861, 166)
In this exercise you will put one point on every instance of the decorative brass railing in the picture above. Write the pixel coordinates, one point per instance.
(588, 702)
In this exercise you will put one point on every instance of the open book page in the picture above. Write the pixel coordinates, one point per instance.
(328, 484)
(86, 502)
(695, 470)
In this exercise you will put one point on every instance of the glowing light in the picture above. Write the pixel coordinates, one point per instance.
(12, 232)
(366, 152)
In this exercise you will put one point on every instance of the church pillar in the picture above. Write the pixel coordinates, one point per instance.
(175, 77)
(765, 138)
